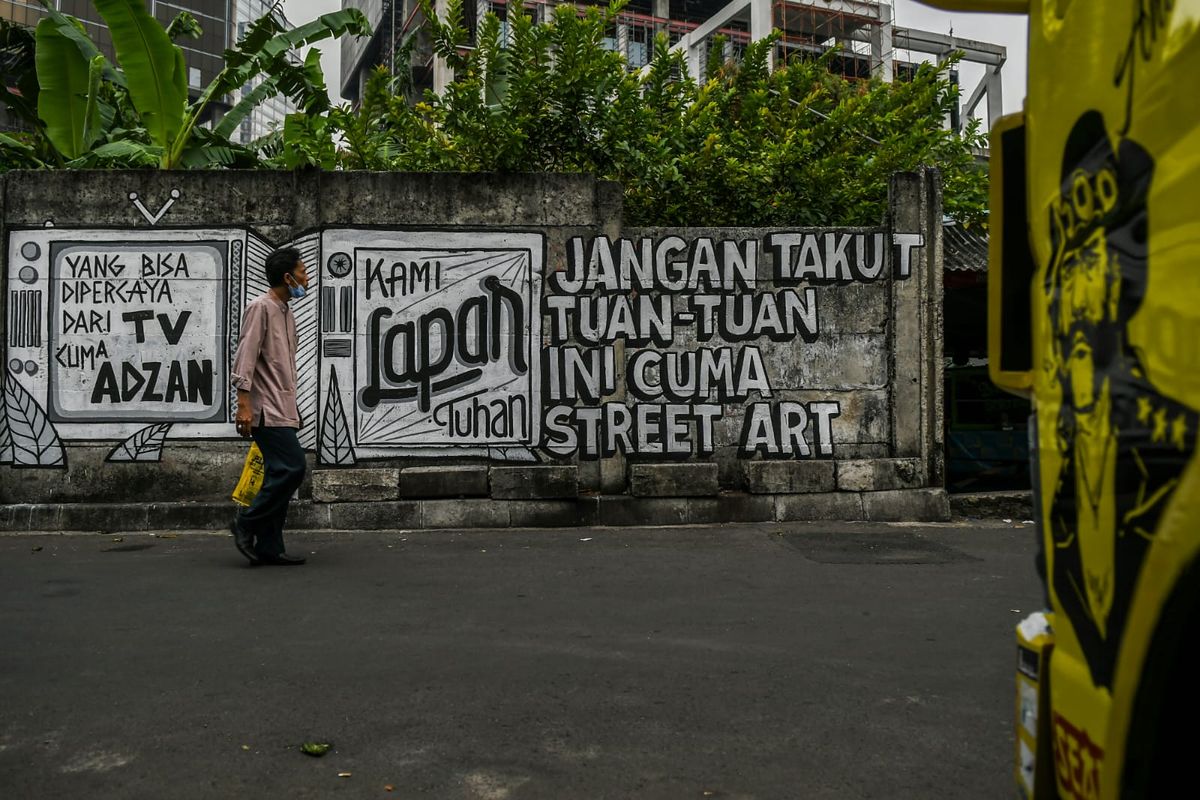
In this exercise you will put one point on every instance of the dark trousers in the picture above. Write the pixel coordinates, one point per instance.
(283, 458)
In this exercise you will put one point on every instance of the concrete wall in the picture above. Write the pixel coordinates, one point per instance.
(470, 335)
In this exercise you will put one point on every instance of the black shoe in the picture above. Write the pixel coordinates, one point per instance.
(283, 560)
(243, 541)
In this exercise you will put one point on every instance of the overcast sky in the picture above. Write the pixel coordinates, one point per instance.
(1004, 29)
(1009, 30)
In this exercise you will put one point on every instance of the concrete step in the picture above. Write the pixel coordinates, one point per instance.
(1016, 505)
(917, 505)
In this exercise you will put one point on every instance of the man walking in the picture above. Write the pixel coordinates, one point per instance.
(264, 373)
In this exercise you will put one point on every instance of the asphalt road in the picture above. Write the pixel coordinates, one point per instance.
(767, 661)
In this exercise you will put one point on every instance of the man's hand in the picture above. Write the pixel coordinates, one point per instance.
(244, 419)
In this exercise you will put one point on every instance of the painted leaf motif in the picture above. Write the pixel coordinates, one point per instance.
(34, 441)
(334, 446)
(144, 445)
(512, 454)
(5, 439)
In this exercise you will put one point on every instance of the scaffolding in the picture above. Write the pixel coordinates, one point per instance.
(809, 30)
(860, 33)
(632, 33)
(866, 40)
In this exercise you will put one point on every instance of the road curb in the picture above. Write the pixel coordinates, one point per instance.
(915, 505)
(993, 505)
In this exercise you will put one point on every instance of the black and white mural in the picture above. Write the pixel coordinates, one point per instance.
(692, 317)
(429, 342)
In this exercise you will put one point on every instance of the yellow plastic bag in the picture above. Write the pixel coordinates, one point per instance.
(252, 477)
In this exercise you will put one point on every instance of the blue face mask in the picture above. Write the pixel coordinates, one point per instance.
(297, 291)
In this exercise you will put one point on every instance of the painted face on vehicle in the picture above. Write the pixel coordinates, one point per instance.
(1117, 458)
(1089, 295)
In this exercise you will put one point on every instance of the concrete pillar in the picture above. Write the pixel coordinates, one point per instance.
(661, 11)
(915, 333)
(443, 76)
(623, 41)
(881, 46)
(762, 20)
(610, 214)
(952, 75)
(935, 331)
(995, 96)
(695, 58)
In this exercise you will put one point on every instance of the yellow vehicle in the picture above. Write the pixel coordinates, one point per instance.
(1094, 282)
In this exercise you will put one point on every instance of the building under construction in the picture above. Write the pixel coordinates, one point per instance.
(862, 30)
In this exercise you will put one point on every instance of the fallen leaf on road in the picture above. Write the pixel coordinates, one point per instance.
(586, 539)
(315, 749)
(36, 548)
(344, 774)
(389, 788)
(168, 536)
(245, 747)
(118, 538)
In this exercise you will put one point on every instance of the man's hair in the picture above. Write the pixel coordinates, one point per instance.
(280, 263)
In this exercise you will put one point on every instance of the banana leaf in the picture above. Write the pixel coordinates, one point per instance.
(22, 151)
(268, 55)
(124, 153)
(258, 33)
(63, 75)
(269, 146)
(304, 84)
(153, 65)
(93, 119)
(184, 24)
(208, 150)
(229, 123)
(73, 30)
(255, 53)
(208, 157)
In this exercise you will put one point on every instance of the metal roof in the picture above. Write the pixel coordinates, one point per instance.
(964, 250)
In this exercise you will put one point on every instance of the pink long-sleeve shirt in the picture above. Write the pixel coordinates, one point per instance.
(265, 363)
